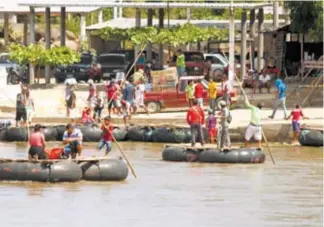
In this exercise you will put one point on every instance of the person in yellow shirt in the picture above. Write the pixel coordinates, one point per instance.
(212, 94)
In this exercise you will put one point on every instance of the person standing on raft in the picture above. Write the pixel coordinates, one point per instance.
(211, 125)
(254, 128)
(296, 114)
(226, 118)
(196, 118)
(107, 135)
(72, 138)
(37, 144)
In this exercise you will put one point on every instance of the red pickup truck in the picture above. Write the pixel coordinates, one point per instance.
(175, 97)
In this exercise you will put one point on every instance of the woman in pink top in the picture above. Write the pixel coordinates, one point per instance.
(37, 144)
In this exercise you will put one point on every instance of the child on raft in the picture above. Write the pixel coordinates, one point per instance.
(211, 126)
(296, 114)
(107, 135)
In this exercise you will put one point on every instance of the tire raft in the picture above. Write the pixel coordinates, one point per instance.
(91, 133)
(107, 170)
(170, 135)
(64, 171)
(16, 134)
(140, 134)
(311, 138)
(244, 155)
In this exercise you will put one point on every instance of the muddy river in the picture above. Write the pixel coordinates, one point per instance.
(169, 194)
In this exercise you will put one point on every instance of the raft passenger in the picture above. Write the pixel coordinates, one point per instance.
(226, 118)
(72, 137)
(37, 144)
(254, 128)
(196, 118)
(211, 126)
(296, 114)
(107, 135)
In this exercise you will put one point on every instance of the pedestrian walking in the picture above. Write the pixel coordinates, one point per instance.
(68, 88)
(139, 96)
(92, 95)
(98, 107)
(196, 119)
(128, 101)
(112, 97)
(281, 98)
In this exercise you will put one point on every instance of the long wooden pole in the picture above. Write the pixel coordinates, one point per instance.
(124, 156)
(264, 136)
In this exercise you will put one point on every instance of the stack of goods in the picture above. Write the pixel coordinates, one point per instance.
(165, 79)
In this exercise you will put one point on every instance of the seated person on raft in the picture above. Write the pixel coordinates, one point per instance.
(73, 139)
(37, 144)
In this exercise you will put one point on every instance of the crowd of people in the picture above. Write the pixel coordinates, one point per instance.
(218, 122)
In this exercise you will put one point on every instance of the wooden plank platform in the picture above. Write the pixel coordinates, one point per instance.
(78, 160)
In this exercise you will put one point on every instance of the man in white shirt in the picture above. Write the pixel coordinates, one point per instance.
(264, 81)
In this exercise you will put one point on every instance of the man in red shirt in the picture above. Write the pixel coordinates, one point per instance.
(296, 114)
(199, 90)
(112, 91)
(196, 118)
(107, 135)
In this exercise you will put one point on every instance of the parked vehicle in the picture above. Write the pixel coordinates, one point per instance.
(114, 66)
(195, 63)
(5, 62)
(176, 97)
(79, 70)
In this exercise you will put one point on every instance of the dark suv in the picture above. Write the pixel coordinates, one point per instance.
(114, 66)
(79, 70)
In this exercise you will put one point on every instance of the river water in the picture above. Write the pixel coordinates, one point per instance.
(175, 194)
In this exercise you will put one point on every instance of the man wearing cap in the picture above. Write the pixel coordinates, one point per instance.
(72, 138)
(196, 119)
(254, 128)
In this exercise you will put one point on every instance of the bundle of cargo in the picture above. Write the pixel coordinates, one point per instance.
(164, 79)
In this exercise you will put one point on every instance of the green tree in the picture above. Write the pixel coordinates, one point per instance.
(307, 17)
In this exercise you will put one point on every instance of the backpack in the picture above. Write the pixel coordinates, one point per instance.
(229, 117)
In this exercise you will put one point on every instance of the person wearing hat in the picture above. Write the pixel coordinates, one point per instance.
(254, 128)
(211, 123)
(181, 64)
(196, 119)
(226, 118)
(107, 135)
(72, 138)
(37, 144)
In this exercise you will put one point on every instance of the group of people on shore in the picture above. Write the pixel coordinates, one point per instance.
(121, 98)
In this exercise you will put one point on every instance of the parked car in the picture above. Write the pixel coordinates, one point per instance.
(79, 70)
(195, 63)
(176, 96)
(217, 61)
(5, 62)
(114, 66)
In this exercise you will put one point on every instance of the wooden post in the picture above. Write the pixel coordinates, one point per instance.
(100, 16)
(83, 30)
(231, 72)
(47, 41)
(25, 31)
(301, 40)
(120, 10)
(6, 28)
(32, 41)
(161, 25)
(275, 15)
(243, 45)
(63, 26)
(252, 37)
(149, 23)
(260, 40)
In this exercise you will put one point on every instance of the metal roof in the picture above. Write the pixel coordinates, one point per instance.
(158, 4)
(13, 6)
(124, 23)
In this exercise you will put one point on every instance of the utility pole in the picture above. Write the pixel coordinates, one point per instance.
(231, 71)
